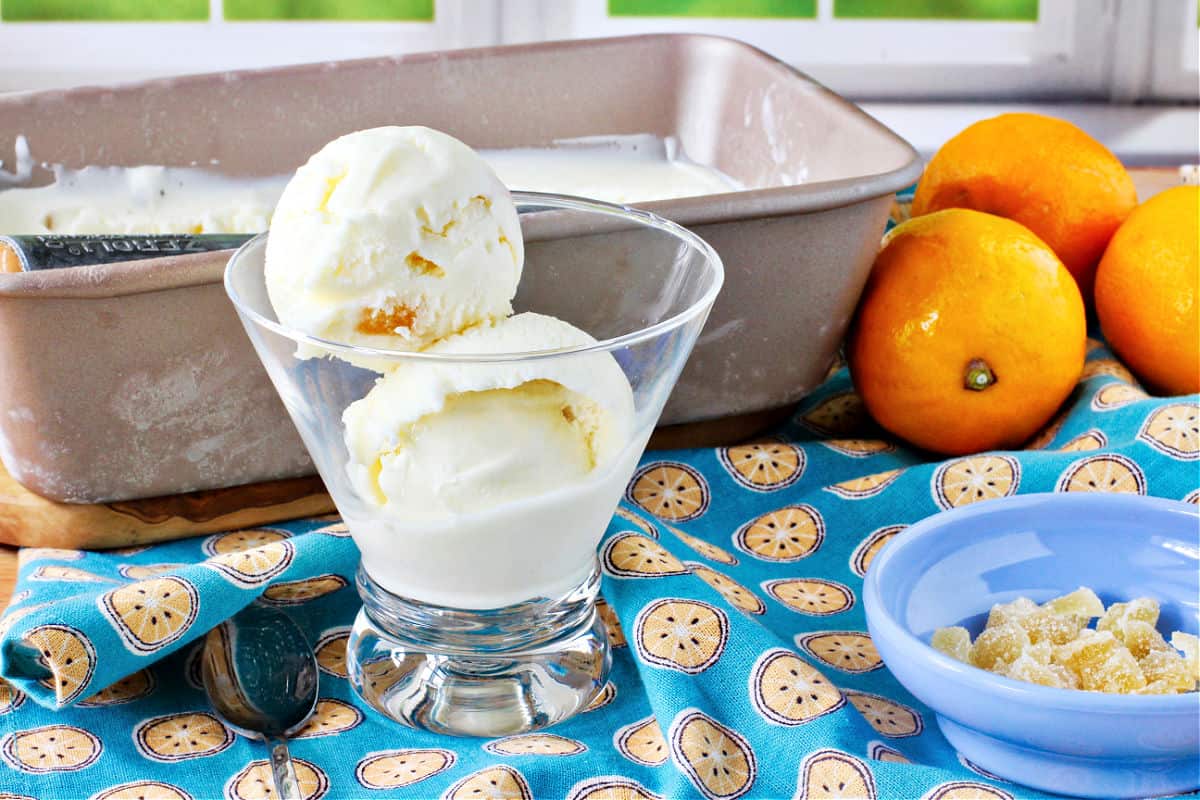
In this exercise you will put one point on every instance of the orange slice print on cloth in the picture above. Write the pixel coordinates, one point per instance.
(336, 526)
(717, 760)
(330, 718)
(786, 534)
(787, 690)
(834, 775)
(55, 572)
(1090, 439)
(50, 748)
(331, 652)
(143, 790)
(967, 790)
(706, 549)
(535, 744)
(500, 782)
(765, 466)
(859, 448)
(840, 415)
(641, 524)
(612, 624)
(642, 742)
(684, 635)
(178, 737)
(611, 787)
(970, 480)
(1104, 473)
(237, 541)
(631, 555)
(887, 717)
(734, 593)
(27, 555)
(69, 656)
(812, 596)
(881, 752)
(864, 554)
(392, 769)
(151, 614)
(139, 572)
(846, 651)
(1174, 430)
(291, 593)
(866, 486)
(1107, 366)
(254, 782)
(132, 687)
(11, 698)
(669, 490)
(254, 565)
(606, 695)
(1117, 395)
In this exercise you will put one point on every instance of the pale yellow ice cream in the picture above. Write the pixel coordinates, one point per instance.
(436, 440)
(393, 238)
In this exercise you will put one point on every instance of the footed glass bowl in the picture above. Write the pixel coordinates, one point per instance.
(483, 622)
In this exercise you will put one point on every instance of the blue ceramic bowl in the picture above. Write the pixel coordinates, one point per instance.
(951, 568)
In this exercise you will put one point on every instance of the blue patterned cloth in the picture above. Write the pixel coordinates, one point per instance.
(120, 713)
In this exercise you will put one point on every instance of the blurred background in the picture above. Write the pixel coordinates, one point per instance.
(1125, 70)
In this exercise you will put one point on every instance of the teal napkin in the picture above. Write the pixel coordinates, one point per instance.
(101, 697)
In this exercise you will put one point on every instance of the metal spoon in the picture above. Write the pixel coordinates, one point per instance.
(260, 675)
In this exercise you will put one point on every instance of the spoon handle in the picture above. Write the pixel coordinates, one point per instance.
(283, 770)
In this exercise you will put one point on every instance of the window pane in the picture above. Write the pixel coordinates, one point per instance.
(1021, 10)
(103, 10)
(344, 10)
(713, 8)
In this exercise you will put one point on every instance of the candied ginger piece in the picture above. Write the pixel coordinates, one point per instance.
(1088, 655)
(1045, 624)
(1041, 652)
(1068, 678)
(1189, 645)
(1142, 609)
(1157, 687)
(954, 641)
(999, 643)
(1082, 602)
(1141, 638)
(1029, 669)
(1168, 668)
(1004, 613)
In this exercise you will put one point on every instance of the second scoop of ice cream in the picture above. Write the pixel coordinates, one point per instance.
(436, 439)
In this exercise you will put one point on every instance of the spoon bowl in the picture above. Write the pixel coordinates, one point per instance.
(260, 674)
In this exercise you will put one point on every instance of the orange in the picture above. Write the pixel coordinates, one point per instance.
(969, 335)
(1148, 291)
(1043, 172)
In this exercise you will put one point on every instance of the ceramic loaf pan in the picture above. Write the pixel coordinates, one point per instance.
(133, 380)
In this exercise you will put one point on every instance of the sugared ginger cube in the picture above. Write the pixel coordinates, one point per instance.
(1082, 602)
(1166, 667)
(1142, 609)
(1189, 645)
(1000, 643)
(1005, 613)
(1101, 663)
(1140, 637)
(1047, 625)
(954, 642)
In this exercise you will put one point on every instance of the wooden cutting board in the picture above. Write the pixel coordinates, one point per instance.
(30, 520)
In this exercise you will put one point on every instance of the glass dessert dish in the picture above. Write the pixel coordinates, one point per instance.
(477, 482)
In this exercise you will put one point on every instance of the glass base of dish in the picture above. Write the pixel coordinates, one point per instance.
(490, 673)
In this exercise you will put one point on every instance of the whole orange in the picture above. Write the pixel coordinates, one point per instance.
(1148, 291)
(969, 335)
(1045, 173)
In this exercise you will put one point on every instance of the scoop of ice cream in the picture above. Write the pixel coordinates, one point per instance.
(393, 238)
(438, 439)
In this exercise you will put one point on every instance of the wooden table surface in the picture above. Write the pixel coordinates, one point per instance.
(1149, 182)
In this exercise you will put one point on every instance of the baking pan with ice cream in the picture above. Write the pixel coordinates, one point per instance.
(148, 386)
